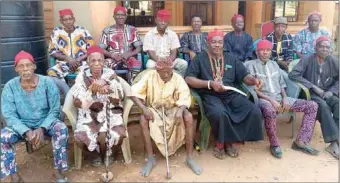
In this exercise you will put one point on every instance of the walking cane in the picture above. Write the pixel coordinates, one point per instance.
(107, 176)
(166, 145)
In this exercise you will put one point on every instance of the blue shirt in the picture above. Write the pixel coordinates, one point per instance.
(23, 110)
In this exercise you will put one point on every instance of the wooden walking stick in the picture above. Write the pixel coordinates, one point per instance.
(165, 145)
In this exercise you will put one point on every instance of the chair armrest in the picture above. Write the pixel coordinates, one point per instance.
(69, 109)
(52, 61)
(304, 92)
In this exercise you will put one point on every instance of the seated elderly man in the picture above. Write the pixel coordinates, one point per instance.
(195, 41)
(282, 41)
(68, 45)
(30, 105)
(121, 43)
(238, 43)
(320, 74)
(162, 43)
(273, 100)
(232, 116)
(98, 95)
(304, 40)
(167, 97)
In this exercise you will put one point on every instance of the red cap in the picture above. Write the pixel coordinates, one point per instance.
(264, 44)
(233, 19)
(119, 8)
(322, 38)
(164, 15)
(214, 33)
(23, 55)
(167, 64)
(65, 12)
(94, 49)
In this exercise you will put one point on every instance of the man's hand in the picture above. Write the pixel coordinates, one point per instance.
(318, 91)
(97, 85)
(77, 102)
(284, 64)
(258, 85)
(179, 116)
(30, 136)
(73, 64)
(217, 86)
(116, 56)
(277, 106)
(285, 105)
(39, 133)
(126, 55)
(328, 94)
(192, 55)
(148, 114)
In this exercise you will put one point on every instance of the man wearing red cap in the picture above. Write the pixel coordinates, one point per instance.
(121, 43)
(232, 116)
(68, 45)
(320, 74)
(304, 40)
(162, 88)
(30, 105)
(239, 43)
(162, 43)
(274, 100)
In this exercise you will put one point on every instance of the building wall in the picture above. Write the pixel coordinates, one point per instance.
(48, 18)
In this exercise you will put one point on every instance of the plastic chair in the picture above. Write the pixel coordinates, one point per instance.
(267, 28)
(72, 112)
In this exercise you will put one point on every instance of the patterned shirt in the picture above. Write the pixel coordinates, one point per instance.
(120, 40)
(23, 110)
(304, 41)
(162, 45)
(193, 42)
(286, 51)
(269, 74)
(72, 45)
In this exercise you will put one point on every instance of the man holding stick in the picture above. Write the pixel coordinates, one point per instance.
(162, 88)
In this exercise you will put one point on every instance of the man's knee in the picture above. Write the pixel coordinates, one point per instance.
(101, 137)
(150, 64)
(8, 136)
(188, 118)
(60, 130)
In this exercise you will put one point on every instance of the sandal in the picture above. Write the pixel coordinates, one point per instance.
(97, 162)
(219, 153)
(332, 152)
(231, 151)
(305, 149)
(276, 151)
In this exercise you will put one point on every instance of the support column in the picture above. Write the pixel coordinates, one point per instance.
(254, 16)
(327, 10)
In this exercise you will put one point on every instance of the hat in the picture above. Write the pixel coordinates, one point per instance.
(214, 33)
(233, 19)
(321, 38)
(23, 55)
(280, 20)
(65, 12)
(167, 64)
(119, 8)
(94, 49)
(164, 15)
(264, 44)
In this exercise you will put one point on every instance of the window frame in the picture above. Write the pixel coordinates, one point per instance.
(284, 9)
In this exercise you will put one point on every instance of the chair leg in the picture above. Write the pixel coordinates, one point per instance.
(205, 133)
(126, 150)
(293, 119)
(78, 156)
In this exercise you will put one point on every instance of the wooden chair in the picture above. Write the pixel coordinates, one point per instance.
(71, 113)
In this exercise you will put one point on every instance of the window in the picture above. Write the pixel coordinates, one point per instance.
(142, 13)
(288, 9)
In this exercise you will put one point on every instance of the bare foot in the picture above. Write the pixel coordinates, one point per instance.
(146, 170)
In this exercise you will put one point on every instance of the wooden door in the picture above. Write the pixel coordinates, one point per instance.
(204, 8)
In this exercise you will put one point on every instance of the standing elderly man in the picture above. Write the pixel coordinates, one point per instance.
(195, 41)
(282, 41)
(232, 116)
(304, 40)
(162, 43)
(68, 45)
(274, 100)
(30, 105)
(162, 89)
(320, 74)
(121, 43)
(239, 43)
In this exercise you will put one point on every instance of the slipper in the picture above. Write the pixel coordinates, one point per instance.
(231, 151)
(96, 162)
(333, 153)
(276, 151)
(218, 153)
(62, 180)
(305, 149)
